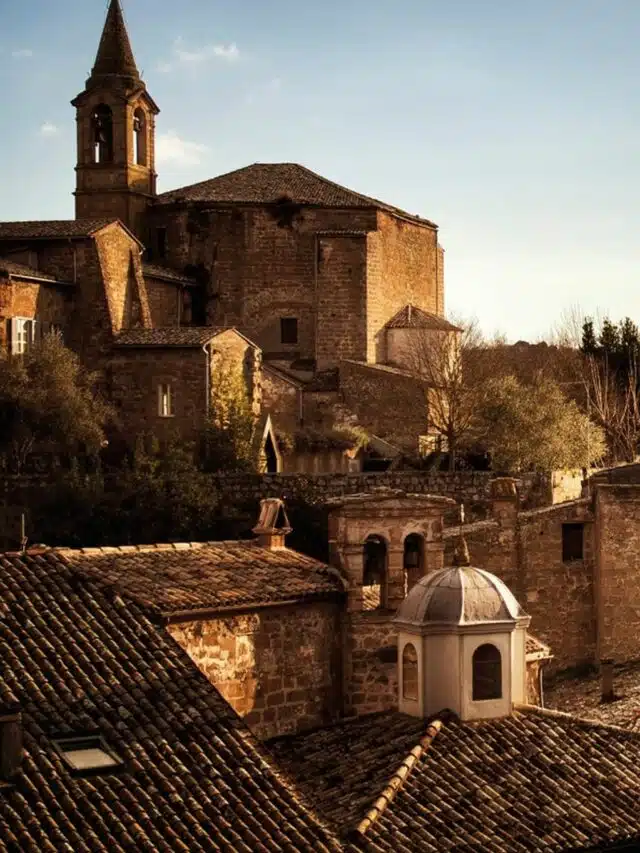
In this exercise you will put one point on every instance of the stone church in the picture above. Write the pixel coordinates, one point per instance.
(304, 285)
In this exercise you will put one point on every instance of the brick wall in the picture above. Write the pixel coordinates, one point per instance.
(371, 669)
(278, 667)
(401, 269)
(387, 403)
(164, 299)
(46, 302)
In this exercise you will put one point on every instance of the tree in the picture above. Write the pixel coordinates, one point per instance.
(47, 397)
(536, 427)
(228, 439)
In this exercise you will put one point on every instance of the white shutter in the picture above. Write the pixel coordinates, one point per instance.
(29, 326)
(13, 335)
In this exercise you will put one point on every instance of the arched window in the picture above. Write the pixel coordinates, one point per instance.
(410, 672)
(374, 574)
(140, 137)
(487, 673)
(102, 134)
(413, 560)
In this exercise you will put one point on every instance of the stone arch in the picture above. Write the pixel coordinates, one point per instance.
(374, 571)
(102, 134)
(486, 673)
(410, 684)
(140, 137)
(413, 559)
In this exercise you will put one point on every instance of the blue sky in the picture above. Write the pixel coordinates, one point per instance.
(513, 125)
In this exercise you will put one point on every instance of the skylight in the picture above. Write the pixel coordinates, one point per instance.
(87, 754)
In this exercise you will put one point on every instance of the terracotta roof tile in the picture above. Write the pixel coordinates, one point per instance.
(11, 268)
(265, 183)
(171, 336)
(209, 575)
(411, 317)
(51, 229)
(79, 656)
(533, 781)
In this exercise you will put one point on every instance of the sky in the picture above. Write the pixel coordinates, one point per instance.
(514, 126)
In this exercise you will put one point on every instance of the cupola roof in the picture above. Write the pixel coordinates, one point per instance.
(458, 595)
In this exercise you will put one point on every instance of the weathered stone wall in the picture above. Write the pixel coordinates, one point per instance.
(134, 378)
(280, 668)
(618, 574)
(401, 269)
(46, 303)
(281, 399)
(123, 281)
(163, 302)
(386, 402)
(371, 669)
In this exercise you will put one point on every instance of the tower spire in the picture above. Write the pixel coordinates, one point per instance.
(115, 56)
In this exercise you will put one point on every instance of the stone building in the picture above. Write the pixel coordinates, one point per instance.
(319, 279)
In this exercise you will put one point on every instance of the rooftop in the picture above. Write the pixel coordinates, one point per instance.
(51, 229)
(171, 336)
(14, 270)
(411, 317)
(213, 576)
(533, 781)
(166, 274)
(266, 183)
(82, 657)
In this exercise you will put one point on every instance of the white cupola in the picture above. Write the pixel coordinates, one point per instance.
(461, 645)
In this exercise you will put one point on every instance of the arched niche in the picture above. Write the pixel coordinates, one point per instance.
(374, 573)
(102, 134)
(486, 673)
(410, 685)
(140, 137)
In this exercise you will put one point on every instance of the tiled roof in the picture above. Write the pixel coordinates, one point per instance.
(411, 317)
(582, 695)
(209, 575)
(171, 336)
(11, 268)
(166, 274)
(264, 183)
(80, 657)
(51, 229)
(535, 648)
(115, 56)
(533, 781)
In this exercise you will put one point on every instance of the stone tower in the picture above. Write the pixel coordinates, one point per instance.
(115, 171)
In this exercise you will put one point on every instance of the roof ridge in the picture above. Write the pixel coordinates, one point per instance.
(553, 714)
(398, 779)
(151, 546)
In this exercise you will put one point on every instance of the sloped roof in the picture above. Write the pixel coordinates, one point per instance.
(265, 183)
(411, 317)
(171, 336)
(13, 269)
(207, 575)
(534, 781)
(80, 656)
(52, 228)
(166, 274)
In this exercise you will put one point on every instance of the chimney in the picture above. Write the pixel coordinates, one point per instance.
(273, 524)
(606, 671)
(10, 743)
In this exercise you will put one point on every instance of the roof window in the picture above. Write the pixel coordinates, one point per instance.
(84, 755)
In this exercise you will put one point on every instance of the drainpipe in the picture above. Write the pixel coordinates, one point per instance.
(207, 378)
(300, 408)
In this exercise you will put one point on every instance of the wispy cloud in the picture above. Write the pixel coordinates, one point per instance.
(49, 129)
(171, 148)
(22, 53)
(182, 56)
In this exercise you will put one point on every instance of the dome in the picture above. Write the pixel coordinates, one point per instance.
(459, 595)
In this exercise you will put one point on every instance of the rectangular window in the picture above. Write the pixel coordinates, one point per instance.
(87, 754)
(161, 242)
(21, 334)
(572, 542)
(288, 330)
(165, 400)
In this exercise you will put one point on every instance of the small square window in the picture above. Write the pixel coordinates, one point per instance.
(85, 755)
(289, 330)
(165, 400)
(572, 542)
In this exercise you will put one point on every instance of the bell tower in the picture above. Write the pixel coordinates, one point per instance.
(115, 115)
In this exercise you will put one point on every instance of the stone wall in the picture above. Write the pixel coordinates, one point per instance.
(386, 402)
(164, 300)
(29, 299)
(618, 574)
(401, 269)
(279, 667)
(371, 669)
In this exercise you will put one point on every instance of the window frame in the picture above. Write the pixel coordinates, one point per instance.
(87, 742)
(289, 323)
(169, 410)
(479, 677)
